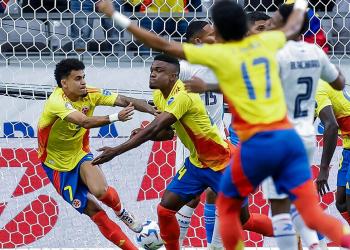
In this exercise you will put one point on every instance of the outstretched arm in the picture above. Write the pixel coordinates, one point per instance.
(330, 137)
(296, 19)
(197, 85)
(162, 121)
(140, 105)
(149, 39)
(87, 122)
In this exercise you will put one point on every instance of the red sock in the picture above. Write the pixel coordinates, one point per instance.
(307, 204)
(169, 228)
(112, 231)
(346, 216)
(259, 223)
(230, 224)
(111, 199)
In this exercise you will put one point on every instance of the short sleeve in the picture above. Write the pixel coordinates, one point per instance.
(274, 40)
(322, 98)
(186, 72)
(103, 97)
(59, 107)
(203, 54)
(178, 105)
(329, 72)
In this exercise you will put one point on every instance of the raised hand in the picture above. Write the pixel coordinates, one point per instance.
(195, 85)
(108, 154)
(126, 113)
(106, 7)
(322, 181)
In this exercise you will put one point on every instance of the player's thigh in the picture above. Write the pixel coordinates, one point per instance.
(69, 185)
(187, 182)
(93, 177)
(172, 201)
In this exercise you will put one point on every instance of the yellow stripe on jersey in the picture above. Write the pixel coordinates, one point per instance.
(63, 144)
(340, 102)
(194, 127)
(248, 75)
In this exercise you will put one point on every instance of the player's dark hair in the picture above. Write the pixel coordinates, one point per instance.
(230, 20)
(286, 10)
(64, 67)
(194, 28)
(168, 59)
(255, 16)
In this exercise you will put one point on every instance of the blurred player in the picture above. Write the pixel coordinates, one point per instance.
(199, 32)
(247, 71)
(301, 66)
(209, 152)
(63, 138)
(333, 109)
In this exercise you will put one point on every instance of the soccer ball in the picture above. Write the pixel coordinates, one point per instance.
(149, 237)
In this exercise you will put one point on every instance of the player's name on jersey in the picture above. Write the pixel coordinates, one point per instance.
(305, 64)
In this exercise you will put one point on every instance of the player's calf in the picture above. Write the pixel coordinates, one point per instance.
(169, 228)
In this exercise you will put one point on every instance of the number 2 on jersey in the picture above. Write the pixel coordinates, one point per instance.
(210, 98)
(257, 61)
(303, 97)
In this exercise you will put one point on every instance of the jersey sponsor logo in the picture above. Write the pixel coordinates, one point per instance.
(76, 203)
(170, 101)
(106, 92)
(68, 105)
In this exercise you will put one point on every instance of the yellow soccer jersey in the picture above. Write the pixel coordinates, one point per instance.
(340, 102)
(248, 75)
(63, 144)
(194, 127)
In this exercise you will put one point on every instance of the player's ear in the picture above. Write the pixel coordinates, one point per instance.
(63, 83)
(197, 41)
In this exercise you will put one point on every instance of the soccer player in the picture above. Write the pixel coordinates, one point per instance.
(257, 22)
(247, 71)
(333, 109)
(209, 152)
(301, 66)
(199, 32)
(63, 138)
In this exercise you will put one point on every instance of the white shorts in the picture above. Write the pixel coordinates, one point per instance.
(268, 185)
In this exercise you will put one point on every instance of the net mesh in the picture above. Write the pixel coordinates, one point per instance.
(34, 36)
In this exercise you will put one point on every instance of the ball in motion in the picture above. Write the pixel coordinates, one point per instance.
(149, 237)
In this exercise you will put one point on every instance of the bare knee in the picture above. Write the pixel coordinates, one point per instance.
(194, 202)
(98, 191)
(92, 207)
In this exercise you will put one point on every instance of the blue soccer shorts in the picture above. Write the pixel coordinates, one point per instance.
(343, 178)
(190, 181)
(69, 184)
(279, 153)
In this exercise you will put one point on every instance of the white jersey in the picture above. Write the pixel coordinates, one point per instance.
(213, 101)
(301, 66)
